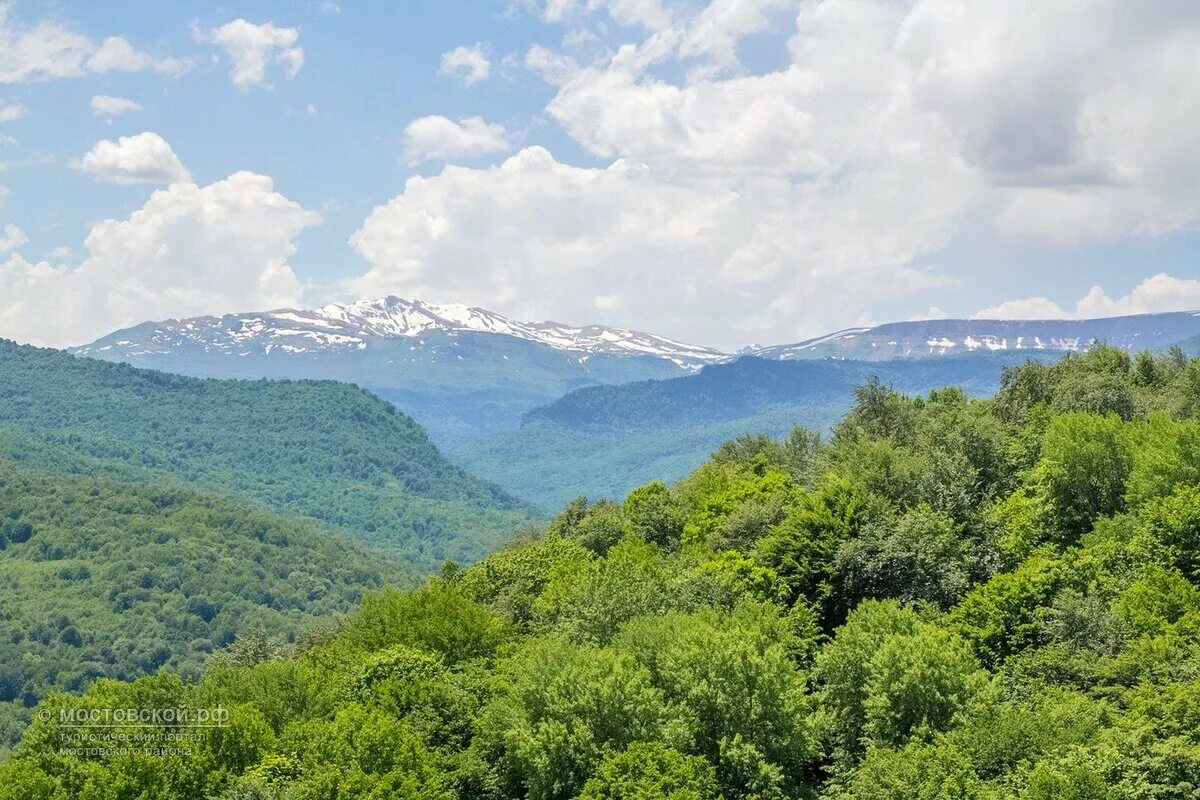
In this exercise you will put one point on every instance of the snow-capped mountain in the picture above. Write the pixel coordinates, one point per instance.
(356, 326)
(928, 338)
(458, 370)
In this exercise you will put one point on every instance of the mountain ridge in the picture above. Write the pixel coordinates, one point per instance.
(343, 326)
(934, 338)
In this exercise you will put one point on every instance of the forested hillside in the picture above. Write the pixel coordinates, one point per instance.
(950, 598)
(319, 449)
(604, 441)
(104, 577)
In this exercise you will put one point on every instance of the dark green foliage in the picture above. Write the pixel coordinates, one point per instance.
(950, 599)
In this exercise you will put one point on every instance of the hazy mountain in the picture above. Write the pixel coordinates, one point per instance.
(957, 336)
(457, 370)
(602, 441)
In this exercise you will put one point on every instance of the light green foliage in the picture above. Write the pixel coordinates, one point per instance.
(1173, 522)
(561, 710)
(655, 515)
(651, 771)
(918, 685)
(1003, 616)
(800, 549)
(436, 617)
(728, 682)
(843, 671)
(916, 772)
(1156, 600)
(1086, 463)
(732, 503)
(511, 579)
(591, 601)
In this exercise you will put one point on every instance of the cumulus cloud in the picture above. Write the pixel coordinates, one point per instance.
(189, 250)
(1158, 293)
(47, 50)
(144, 158)
(538, 238)
(706, 34)
(10, 111)
(253, 48)
(892, 128)
(11, 238)
(117, 55)
(437, 137)
(104, 105)
(652, 15)
(468, 64)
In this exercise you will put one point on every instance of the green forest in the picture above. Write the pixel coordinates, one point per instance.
(104, 577)
(946, 598)
(325, 450)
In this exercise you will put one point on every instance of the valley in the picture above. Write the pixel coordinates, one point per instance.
(549, 411)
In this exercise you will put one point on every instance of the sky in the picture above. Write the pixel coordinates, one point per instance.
(725, 172)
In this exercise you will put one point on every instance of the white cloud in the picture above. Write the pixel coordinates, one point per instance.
(11, 111)
(706, 32)
(468, 64)
(1158, 293)
(553, 67)
(1027, 308)
(538, 238)
(117, 55)
(647, 14)
(253, 48)
(441, 138)
(47, 50)
(104, 105)
(144, 158)
(11, 238)
(189, 250)
(932, 313)
(893, 127)
(3, 195)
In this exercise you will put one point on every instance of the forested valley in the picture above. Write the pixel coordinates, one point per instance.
(948, 598)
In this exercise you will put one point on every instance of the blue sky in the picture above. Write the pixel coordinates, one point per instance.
(723, 171)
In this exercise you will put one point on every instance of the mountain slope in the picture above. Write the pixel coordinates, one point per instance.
(602, 441)
(459, 371)
(105, 576)
(340, 327)
(957, 336)
(324, 450)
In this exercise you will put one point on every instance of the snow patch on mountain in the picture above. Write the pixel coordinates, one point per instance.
(352, 326)
(924, 338)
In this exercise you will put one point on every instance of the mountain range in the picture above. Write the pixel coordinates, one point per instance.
(942, 337)
(459, 371)
(492, 391)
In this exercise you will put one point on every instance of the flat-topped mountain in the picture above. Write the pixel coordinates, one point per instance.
(942, 337)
